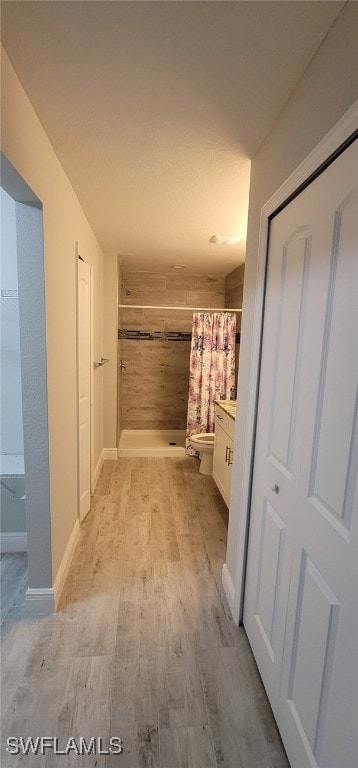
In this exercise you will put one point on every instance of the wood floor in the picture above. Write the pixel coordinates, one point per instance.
(143, 646)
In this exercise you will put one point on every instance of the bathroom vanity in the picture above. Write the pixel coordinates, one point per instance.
(225, 414)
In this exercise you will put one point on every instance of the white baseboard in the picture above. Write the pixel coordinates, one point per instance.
(44, 601)
(40, 601)
(13, 542)
(110, 453)
(229, 590)
(97, 470)
(65, 563)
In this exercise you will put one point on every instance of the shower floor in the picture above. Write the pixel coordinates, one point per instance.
(152, 442)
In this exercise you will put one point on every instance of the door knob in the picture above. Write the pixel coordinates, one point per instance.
(274, 487)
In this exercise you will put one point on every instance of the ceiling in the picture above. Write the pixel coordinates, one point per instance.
(155, 108)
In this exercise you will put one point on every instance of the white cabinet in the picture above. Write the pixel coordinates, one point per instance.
(223, 452)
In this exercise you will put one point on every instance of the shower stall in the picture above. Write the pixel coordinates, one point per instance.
(155, 375)
(154, 343)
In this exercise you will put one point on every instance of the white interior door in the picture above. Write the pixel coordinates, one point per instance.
(84, 386)
(302, 579)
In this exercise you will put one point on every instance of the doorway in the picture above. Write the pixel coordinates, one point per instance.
(31, 303)
(85, 367)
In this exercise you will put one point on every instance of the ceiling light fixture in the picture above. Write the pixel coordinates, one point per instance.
(178, 266)
(225, 239)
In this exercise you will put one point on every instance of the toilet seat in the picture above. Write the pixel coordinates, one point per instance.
(206, 438)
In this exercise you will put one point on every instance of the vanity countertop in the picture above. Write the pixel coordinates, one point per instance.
(229, 406)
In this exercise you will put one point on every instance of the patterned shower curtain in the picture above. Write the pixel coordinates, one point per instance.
(212, 369)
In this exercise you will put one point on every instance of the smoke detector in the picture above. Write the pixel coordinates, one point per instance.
(225, 239)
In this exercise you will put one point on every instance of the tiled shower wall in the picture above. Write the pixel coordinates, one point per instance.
(155, 382)
(234, 289)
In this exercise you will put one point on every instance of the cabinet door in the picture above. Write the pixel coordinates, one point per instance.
(230, 454)
(221, 469)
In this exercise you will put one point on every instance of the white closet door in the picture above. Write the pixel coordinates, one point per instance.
(84, 386)
(301, 595)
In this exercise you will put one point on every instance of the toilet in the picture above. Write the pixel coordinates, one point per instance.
(204, 444)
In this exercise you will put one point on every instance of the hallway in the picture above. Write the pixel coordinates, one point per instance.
(143, 646)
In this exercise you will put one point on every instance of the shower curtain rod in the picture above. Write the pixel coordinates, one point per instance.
(189, 309)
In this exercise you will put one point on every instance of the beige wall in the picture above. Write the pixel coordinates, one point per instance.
(326, 91)
(27, 147)
(155, 384)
